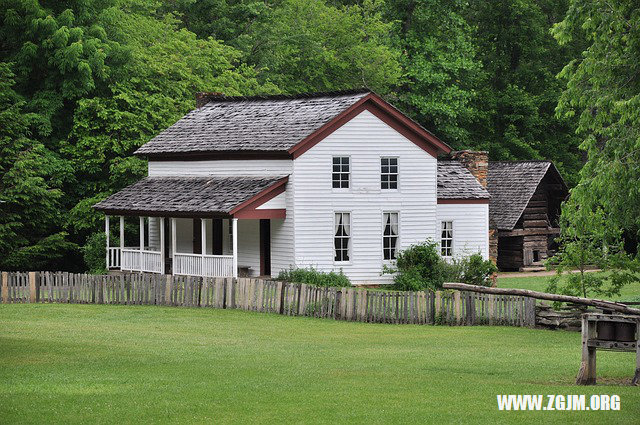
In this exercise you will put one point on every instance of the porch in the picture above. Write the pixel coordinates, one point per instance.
(186, 254)
(210, 227)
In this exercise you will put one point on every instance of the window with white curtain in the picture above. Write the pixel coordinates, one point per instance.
(390, 233)
(342, 236)
(446, 239)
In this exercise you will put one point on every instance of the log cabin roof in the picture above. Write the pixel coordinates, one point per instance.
(275, 124)
(455, 181)
(186, 196)
(511, 185)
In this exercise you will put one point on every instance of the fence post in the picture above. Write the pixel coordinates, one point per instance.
(32, 288)
(457, 306)
(167, 290)
(5, 287)
(438, 311)
(530, 312)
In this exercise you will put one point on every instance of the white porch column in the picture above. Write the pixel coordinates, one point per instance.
(106, 231)
(235, 247)
(162, 248)
(141, 241)
(174, 241)
(121, 240)
(203, 236)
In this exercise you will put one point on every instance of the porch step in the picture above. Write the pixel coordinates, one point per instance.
(533, 269)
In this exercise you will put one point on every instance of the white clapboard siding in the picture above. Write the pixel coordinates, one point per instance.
(364, 139)
(249, 245)
(470, 227)
(256, 167)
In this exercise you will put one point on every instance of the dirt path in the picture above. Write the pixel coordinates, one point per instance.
(533, 274)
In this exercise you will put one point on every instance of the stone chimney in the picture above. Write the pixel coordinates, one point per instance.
(203, 97)
(477, 162)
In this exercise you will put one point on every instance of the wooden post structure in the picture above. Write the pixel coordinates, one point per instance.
(106, 231)
(587, 372)
(203, 237)
(141, 242)
(234, 229)
(33, 289)
(162, 247)
(5, 287)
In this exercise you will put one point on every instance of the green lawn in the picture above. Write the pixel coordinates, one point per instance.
(133, 364)
(539, 283)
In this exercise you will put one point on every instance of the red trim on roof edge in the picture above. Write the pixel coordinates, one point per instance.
(247, 209)
(463, 201)
(385, 112)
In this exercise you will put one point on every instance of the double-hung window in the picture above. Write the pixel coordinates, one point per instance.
(341, 172)
(390, 232)
(342, 237)
(388, 173)
(446, 239)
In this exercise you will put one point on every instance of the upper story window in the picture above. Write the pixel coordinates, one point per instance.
(341, 172)
(389, 173)
(342, 236)
(390, 233)
(446, 239)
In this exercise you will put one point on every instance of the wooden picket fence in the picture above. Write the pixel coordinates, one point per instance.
(292, 299)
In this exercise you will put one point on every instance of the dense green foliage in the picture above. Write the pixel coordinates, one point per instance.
(109, 364)
(421, 267)
(85, 83)
(312, 276)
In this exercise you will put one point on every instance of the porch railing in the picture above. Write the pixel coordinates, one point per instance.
(113, 258)
(203, 265)
(144, 261)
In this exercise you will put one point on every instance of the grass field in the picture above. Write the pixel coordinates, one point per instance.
(539, 283)
(133, 364)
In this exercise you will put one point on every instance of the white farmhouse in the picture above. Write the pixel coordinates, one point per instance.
(337, 181)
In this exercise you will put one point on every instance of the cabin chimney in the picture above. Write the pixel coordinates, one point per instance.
(477, 162)
(203, 97)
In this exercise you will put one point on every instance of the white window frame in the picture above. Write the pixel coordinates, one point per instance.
(451, 238)
(397, 173)
(349, 238)
(397, 248)
(348, 173)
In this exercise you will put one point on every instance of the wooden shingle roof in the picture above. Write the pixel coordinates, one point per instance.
(185, 196)
(511, 185)
(455, 181)
(250, 124)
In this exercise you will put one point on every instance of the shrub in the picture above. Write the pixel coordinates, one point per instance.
(312, 276)
(94, 253)
(421, 267)
(418, 267)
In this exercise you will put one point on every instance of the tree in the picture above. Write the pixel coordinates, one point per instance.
(519, 91)
(31, 181)
(587, 241)
(307, 45)
(603, 92)
(441, 72)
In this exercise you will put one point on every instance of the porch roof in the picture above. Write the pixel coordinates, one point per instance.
(189, 196)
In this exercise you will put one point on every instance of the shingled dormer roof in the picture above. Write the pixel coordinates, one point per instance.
(511, 185)
(455, 181)
(275, 124)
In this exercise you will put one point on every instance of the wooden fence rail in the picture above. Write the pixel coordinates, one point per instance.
(292, 299)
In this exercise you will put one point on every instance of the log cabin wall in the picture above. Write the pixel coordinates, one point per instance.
(531, 242)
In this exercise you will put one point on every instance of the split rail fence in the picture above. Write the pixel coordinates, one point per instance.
(292, 299)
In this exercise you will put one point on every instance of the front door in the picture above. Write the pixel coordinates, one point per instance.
(265, 247)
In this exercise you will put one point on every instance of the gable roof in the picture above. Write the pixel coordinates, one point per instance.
(511, 185)
(276, 124)
(455, 181)
(188, 196)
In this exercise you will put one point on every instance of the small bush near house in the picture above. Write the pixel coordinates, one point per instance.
(421, 267)
(312, 276)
